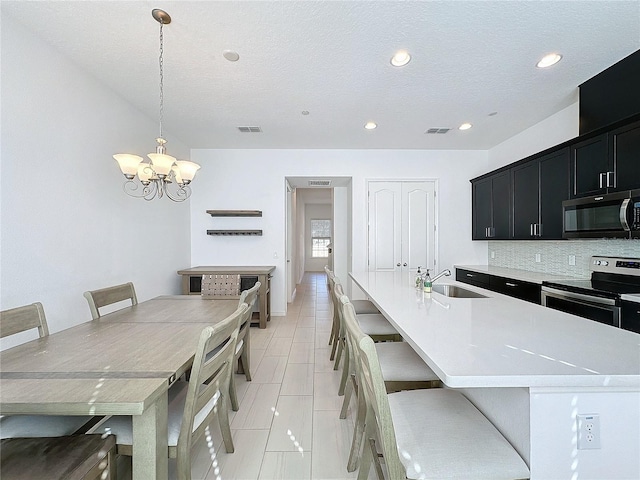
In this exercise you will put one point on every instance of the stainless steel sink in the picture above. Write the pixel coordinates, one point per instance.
(455, 291)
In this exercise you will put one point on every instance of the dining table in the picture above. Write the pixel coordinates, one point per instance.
(120, 364)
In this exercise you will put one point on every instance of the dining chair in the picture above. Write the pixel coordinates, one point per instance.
(402, 369)
(374, 325)
(75, 457)
(192, 405)
(242, 356)
(22, 319)
(432, 433)
(108, 296)
(361, 306)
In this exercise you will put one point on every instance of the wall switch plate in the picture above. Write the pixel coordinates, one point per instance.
(572, 260)
(493, 254)
(538, 258)
(588, 431)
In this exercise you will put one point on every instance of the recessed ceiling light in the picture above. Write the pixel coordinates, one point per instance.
(401, 58)
(549, 60)
(305, 112)
(370, 125)
(465, 126)
(231, 55)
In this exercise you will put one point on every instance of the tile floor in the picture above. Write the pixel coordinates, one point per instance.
(287, 426)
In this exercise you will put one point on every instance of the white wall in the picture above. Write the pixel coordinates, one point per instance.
(556, 129)
(67, 226)
(253, 179)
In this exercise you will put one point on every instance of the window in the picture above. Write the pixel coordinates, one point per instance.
(320, 238)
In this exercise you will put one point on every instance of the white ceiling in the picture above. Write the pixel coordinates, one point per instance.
(331, 58)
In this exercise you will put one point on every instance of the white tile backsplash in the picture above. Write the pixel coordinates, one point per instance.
(557, 257)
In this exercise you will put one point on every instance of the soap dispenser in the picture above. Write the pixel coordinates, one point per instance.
(427, 282)
(418, 281)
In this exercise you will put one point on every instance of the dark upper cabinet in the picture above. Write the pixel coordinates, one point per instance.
(609, 162)
(590, 167)
(624, 152)
(491, 207)
(539, 186)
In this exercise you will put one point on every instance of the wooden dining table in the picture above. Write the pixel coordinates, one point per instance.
(120, 364)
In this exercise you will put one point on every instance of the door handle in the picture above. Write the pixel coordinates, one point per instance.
(398, 264)
(404, 264)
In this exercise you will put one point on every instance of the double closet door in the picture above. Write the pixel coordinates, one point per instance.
(402, 227)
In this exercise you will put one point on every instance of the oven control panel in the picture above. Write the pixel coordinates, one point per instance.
(622, 266)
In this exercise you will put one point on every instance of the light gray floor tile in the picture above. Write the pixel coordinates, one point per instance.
(291, 430)
(245, 462)
(325, 391)
(302, 353)
(286, 466)
(305, 335)
(298, 379)
(307, 322)
(285, 330)
(331, 445)
(321, 358)
(270, 370)
(279, 346)
(257, 407)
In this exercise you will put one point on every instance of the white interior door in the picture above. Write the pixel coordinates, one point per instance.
(402, 232)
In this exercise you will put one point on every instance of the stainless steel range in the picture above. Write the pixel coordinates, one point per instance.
(599, 298)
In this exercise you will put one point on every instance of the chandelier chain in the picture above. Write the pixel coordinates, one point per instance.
(161, 61)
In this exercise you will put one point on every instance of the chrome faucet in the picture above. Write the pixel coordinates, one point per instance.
(444, 273)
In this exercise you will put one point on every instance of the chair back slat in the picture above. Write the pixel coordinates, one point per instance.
(108, 296)
(209, 375)
(371, 382)
(20, 319)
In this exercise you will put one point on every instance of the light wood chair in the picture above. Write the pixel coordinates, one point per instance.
(402, 369)
(374, 325)
(242, 357)
(361, 306)
(433, 433)
(22, 319)
(76, 457)
(108, 296)
(193, 404)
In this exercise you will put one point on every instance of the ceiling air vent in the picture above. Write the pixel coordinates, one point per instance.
(250, 129)
(319, 183)
(438, 130)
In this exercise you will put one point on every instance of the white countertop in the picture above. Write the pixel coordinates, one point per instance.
(631, 297)
(500, 341)
(516, 274)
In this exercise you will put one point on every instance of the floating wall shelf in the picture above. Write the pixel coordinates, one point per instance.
(235, 232)
(235, 213)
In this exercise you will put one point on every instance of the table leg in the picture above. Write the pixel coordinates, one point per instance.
(150, 451)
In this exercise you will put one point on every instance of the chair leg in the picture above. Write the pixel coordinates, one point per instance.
(367, 457)
(347, 396)
(345, 373)
(358, 433)
(333, 333)
(341, 341)
(245, 358)
(376, 459)
(233, 396)
(225, 427)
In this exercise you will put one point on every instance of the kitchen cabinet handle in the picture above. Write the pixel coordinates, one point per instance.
(404, 264)
(509, 284)
(611, 179)
(539, 229)
(470, 275)
(601, 179)
(398, 264)
(531, 229)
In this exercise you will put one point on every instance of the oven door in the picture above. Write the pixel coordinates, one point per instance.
(597, 217)
(603, 310)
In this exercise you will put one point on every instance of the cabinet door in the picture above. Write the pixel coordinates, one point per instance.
(554, 189)
(525, 199)
(625, 152)
(589, 162)
(481, 192)
(501, 206)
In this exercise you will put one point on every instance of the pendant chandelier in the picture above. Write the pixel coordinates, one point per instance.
(163, 174)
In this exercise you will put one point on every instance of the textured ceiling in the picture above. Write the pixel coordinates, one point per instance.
(331, 58)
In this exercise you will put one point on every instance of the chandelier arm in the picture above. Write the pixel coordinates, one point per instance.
(180, 195)
(148, 192)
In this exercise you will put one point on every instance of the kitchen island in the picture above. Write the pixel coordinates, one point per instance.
(529, 369)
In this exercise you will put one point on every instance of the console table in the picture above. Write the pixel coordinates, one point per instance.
(192, 284)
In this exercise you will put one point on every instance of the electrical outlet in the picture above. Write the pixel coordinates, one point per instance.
(588, 432)
(572, 260)
(493, 254)
(538, 258)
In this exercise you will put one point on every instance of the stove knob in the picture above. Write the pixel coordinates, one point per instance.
(596, 262)
(604, 263)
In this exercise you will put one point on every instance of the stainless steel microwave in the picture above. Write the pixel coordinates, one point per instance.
(614, 215)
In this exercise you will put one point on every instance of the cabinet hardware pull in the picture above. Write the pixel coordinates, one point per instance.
(470, 275)
(404, 264)
(398, 264)
(531, 229)
(611, 179)
(508, 284)
(601, 179)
